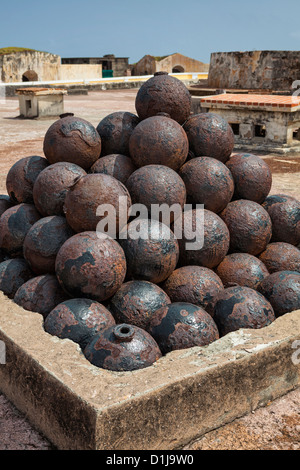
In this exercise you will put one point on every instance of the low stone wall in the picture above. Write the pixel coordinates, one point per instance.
(10, 89)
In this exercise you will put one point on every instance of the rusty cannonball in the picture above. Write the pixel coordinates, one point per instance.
(151, 250)
(285, 215)
(280, 256)
(5, 203)
(89, 266)
(115, 130)
(40, 294)
(43, 242)
(78, 320)
(84, 200)
(182, 325)
(203, 238)
(166, 94)
(209, 182)
(159, 140)
(21, 178)
(249, 225)
(282, 290)
(136, 301)
(210, 135)
(122, 347)
(74, 140)
(194, 284)
(117, 165)
(13, 274)
(51, 187)
(241, 307)
(157, 184)
(14, 225)
(252, 177)
(242, 269)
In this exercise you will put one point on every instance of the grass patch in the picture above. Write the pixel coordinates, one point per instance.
(13, 50)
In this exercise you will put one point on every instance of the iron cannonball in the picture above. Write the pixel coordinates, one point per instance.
(157, 184)
(74, 140)
(159, 140)
(5, 203)
(249, 225)
(280, 256)
(117, 165)
(241, 307)
(282, 289)
(242, 269)
(182, 325)
(88, 194)
(136, 301)
(204, 239)
(43, 242)
(115, 130)
(166, 94)
(209, 135)
(14, 225)
(91, 267)
(252, 177)
(13, 274)
(151, 250)
(40, 294)
(194, 284)
(122, 348)
(285, 215)
(51, 187)
(78, 320)
(209, 182)
(22, 176)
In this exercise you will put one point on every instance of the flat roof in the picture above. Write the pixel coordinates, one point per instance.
(276, 102)
(40, 91)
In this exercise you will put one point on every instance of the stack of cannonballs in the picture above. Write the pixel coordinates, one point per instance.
(127, 300)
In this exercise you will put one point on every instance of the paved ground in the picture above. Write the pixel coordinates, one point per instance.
(276, 426)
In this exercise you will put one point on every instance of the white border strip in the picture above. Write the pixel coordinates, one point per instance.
(91, 81)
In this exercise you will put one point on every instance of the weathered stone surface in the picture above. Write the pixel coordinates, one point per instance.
(274, 70)
(179, 63)
(13, 66)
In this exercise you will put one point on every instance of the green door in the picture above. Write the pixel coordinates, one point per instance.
(107, 73)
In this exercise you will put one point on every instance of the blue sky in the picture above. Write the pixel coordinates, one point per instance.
(133, 28)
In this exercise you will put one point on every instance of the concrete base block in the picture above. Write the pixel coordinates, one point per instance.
(181, 397)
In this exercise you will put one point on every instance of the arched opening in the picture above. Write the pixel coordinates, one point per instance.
(30, 76)
(177, 69)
